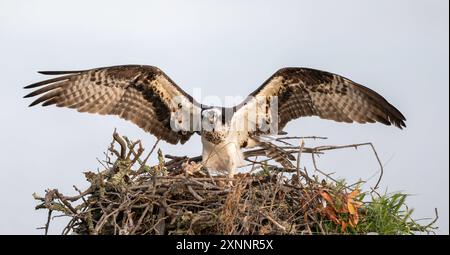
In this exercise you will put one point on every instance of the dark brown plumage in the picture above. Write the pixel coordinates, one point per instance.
(307, 92)
(141, 94)
(144, 95)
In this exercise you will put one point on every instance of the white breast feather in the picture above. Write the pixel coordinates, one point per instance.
(226, 156)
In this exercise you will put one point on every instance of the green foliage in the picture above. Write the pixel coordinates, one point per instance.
(389, 215)
(386, 214)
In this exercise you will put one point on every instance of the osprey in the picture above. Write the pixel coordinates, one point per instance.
(149, 98)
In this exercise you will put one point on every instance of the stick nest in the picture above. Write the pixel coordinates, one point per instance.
(178, 196)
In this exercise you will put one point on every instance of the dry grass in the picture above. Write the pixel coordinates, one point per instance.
(179, 197)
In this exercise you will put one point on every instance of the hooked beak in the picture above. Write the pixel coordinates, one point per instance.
(212, 120)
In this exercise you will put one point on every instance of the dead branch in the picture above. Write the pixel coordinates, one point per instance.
(130, 197)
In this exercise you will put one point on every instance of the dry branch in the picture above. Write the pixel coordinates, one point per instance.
(130, 197)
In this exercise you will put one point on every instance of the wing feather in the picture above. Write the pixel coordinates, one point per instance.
(305, 92)
(142, 94)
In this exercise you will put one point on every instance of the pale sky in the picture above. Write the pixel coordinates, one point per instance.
(397, 48)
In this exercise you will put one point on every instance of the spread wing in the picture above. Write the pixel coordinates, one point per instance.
(301, 92)
(142, 94)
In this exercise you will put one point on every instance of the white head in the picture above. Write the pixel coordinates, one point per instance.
(211, 119)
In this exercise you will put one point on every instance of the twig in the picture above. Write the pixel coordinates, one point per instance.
(148, 156)
(302, 145)
(178, 202)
